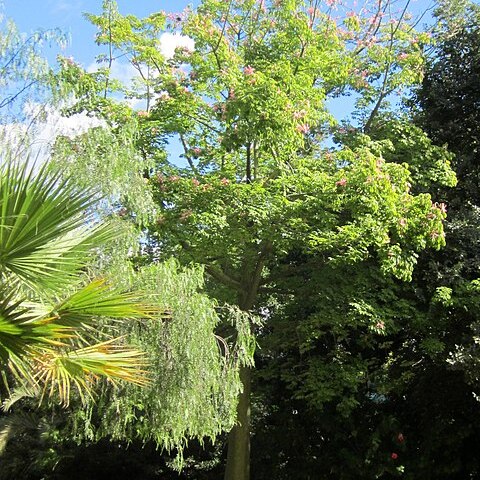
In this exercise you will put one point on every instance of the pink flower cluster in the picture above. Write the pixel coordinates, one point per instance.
(248, 70)
(303, 128)
(440, 206)
(299, 114)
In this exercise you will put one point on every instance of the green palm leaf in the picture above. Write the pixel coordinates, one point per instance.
(58, 370)
(45, 237)
(43, 228)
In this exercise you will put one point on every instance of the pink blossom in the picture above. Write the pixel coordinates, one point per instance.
(142, 113)
(351, 14)
(394, 456)
(219, 108)
(299, 114)
(303, 128)
(176, 17)
(442, 207)
(231, 94)
(403, 56)
(224, 181)
(311, 11)
(341, 183)
(331, 3)
(402, 222)
(197, 151)
(174, 178)
(248, 70)
(380, 325)
(185, 50)
(195, 182)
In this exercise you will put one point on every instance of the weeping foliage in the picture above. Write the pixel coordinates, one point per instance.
(194, 381)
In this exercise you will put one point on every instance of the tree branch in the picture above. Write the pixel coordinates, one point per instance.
(187, 156)
(222, 277)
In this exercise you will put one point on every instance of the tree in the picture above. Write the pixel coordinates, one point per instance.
(249, 107)
(24, 72)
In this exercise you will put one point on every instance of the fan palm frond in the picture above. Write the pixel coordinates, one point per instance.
(45, 236)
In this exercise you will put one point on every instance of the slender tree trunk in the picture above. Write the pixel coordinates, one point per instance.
(238, 457)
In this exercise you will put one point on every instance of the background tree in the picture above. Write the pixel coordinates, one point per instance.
(248, 105)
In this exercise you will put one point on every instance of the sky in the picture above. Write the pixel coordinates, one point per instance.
(67, 15)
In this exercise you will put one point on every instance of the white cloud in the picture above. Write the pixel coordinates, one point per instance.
(55, 124)
(37, 139)
(170, 41)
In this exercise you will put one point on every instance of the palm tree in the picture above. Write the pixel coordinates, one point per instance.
(49, 308)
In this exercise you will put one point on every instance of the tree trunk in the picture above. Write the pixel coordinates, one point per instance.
(238, 457)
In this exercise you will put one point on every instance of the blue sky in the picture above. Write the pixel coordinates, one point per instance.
(68, 16)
